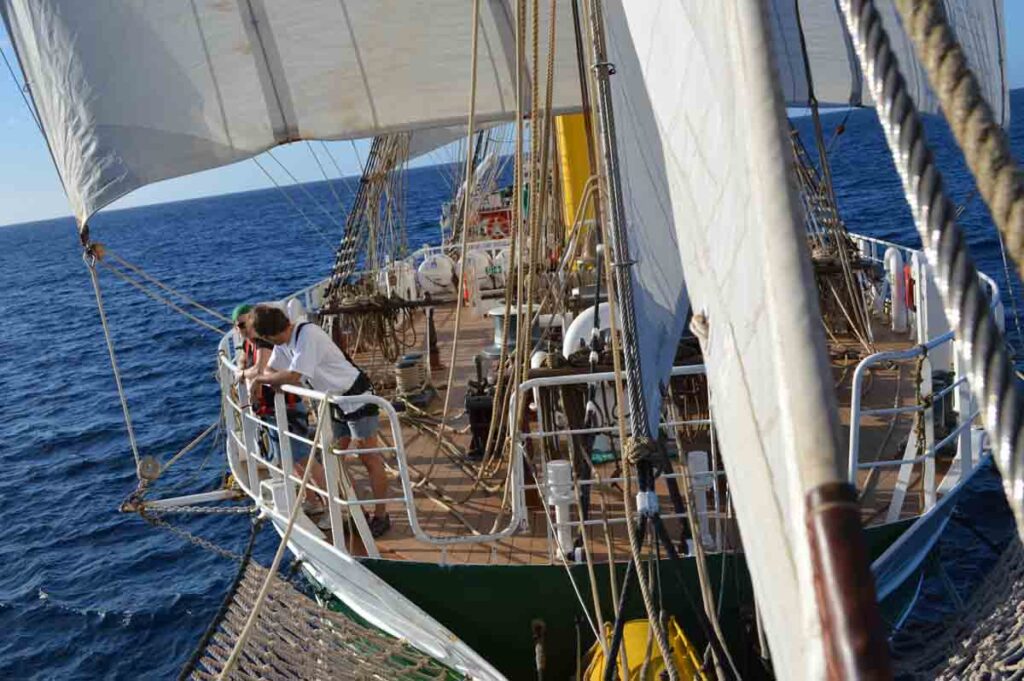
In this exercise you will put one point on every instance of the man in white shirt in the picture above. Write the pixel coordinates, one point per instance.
(305, 355)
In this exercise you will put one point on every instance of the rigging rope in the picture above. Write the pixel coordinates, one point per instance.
(341, 175)
(160, 299)
(985, 144)
(296, 183)
(145, 275)
(22, 91)
(323, 171)
(91, 254)
(965, 301)
(292, 201)
(465, 233)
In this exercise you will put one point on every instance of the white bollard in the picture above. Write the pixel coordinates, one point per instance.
(701, 483)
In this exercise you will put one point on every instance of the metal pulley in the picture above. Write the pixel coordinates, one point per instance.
(149, 468)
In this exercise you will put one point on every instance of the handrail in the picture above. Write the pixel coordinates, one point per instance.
(995, 296)
(555, 525)
(856, 409)
(407, 498)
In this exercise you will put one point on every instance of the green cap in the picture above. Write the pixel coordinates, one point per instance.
(240, 310)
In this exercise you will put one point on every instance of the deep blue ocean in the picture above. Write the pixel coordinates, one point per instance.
(87, 592)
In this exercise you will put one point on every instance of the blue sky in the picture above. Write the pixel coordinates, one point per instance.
(30, 189)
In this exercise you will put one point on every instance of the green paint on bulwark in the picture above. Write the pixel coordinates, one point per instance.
(492, 608)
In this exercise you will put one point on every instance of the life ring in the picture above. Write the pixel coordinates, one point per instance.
(496, 225)
(908, 287)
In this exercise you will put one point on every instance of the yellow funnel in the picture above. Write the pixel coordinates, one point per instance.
(575, 164)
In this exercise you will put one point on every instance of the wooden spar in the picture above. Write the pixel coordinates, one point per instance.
(855, 645)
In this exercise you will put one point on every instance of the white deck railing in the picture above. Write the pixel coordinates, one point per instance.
(919, 453)
(261, 475)
(273, 480)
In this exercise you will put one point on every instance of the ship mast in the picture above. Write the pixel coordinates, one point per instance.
(640, 446)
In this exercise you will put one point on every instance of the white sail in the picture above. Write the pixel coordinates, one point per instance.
(695, 93)
(836, 74)
(132, 91)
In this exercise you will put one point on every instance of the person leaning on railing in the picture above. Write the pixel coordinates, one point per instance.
(253, 361)
(305, 355)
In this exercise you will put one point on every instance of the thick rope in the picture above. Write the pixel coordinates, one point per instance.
(985, 144)
(620, 295)
(90, 256)
(653, 614)
(470, 124)
(966, 303)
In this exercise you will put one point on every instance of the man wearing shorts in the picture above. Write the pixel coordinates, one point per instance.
(304, 355)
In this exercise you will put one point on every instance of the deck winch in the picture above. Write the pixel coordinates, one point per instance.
(479, 408)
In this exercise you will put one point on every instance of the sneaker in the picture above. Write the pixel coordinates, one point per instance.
(379, 525)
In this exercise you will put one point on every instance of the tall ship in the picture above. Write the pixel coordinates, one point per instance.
(644, 405)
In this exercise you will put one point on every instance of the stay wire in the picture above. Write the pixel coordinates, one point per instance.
(295, 204)
(330, 184)
(24, 96)
(89, 257)
(341, 175)
(302, 187)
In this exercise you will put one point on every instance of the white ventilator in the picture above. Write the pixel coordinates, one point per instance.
(295, 311)
(478, 262)
(558, 480)
(581, 329)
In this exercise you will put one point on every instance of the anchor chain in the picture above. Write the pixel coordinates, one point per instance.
(157, 520)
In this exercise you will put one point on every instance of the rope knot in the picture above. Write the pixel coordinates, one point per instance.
(700, 327)
(639, 449)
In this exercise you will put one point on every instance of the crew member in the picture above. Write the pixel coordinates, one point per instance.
(305, 355)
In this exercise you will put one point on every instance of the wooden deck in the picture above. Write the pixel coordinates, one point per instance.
(451, 500)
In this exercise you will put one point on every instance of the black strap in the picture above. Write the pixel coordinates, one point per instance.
(362, 383)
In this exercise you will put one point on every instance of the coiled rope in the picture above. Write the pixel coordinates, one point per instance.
(965, 301)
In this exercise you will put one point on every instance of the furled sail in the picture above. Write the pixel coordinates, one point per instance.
(697, 101)
(131, 92)
(836, 74)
